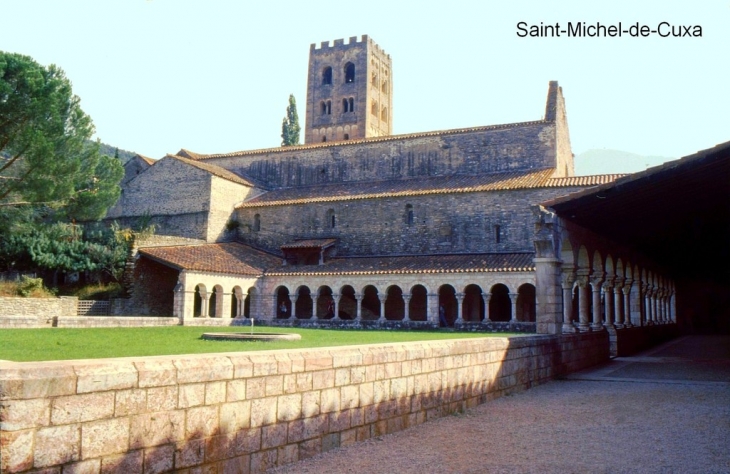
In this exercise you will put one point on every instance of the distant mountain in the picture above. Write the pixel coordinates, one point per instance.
(110, 150)
(614, 161)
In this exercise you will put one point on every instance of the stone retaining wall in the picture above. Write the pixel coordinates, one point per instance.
(47, 307)
(246, 412)
(17, 322)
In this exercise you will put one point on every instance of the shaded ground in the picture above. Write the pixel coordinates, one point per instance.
(665, 411)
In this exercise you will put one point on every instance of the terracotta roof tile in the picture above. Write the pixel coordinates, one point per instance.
(216, 171)
(421, 186)
(240, 259)
(456, 131)
(233, 258)
(309, 243)
(457, 263)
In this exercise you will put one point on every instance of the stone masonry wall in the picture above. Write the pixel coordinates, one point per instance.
(527, 146)
(442, 223)
(246, 412)
(40, 307)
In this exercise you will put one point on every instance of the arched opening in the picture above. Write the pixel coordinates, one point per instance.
(323, 107)
(370, 306)
(395, 307)
(327, 76)
(215, 305)
(526, 304)
(384, 86)
(324, 139)
(347, 136)
(349, 73)
(304, 305)
(200, 294)
(330, 219)
(384, 114)
(345, 106)
(283, 303)
(500, 306)
(351, 102)
(257, 222)
(236, 300)
(374, 108)
(374, 79)
(447, 304)
(250, 294)
(473, 305)
(325, 303)
(418, 306)
(347, 309)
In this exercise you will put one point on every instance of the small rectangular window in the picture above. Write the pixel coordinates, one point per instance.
(497, 234)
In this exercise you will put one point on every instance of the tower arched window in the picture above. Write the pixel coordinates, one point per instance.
(323, 107)
(351, 102)
(327, 76)
(329, 107)
(345, 106)
(331, 220)
(374, 108)
(349, 73)
(384, 114)
(256, 222)
(409, 214)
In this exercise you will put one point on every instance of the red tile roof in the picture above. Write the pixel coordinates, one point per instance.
(309, 243)
(232, 258)
(216, 171)
(239, 259)
(422, 186)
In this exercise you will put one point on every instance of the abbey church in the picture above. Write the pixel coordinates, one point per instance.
(360, 227)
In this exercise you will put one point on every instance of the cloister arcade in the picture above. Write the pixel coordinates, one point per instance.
(511, 299)
(604, 290)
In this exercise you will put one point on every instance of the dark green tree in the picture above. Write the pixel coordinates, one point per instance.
(290, 126)
(48, 167)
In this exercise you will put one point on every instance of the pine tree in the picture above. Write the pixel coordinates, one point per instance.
(290, 125)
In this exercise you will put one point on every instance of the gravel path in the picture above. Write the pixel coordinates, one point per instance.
(667, 411)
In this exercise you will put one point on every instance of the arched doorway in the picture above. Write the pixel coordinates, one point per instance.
(526, 304)
(304, 303)
(200, 295)
(370, 306)
(500, 306)
(395, 308)
(325, 303)
(283, 303)
(473, 305)
(348, 304)
(418, 306)
(447, 301)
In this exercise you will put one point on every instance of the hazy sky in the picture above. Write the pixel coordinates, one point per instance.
(214, 75)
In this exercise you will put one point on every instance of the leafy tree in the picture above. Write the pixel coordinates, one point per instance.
(290, 125)
(47, 164)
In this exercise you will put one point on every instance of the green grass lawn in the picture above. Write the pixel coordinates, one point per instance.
(22, 345)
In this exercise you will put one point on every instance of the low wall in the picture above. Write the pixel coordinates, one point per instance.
(22, 322)
(246, 412)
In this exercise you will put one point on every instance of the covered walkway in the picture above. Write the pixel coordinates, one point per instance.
(664, 410)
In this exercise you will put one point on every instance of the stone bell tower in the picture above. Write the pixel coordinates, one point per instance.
(349, 91)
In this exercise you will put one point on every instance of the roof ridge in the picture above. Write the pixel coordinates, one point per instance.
(216, 170)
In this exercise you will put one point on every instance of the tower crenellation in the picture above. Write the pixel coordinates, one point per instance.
(349, 91)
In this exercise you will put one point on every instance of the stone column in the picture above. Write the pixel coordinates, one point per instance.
(567, 286)
(275, 305)
(626, 290)
(293, 299)
(359, 298)
(618, 302)
(315, 307)
(336, 297)
(513, 301)
(381, 318)
(459, 308)
(178, 301)
(432, 308)
(608, 303)
(226, 305)
(406, 308)
(583, 316)
(486, 297)
(597, 323)
(204, 304)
